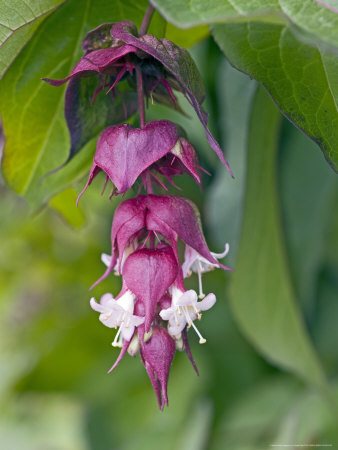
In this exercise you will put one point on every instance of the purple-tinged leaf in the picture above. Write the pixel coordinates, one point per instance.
(149, 273)
(86, 120)
(98, 38)
(179, 64)
(101, 61)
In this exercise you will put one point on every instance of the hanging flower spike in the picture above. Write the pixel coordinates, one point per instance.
(194, 262)
(118, 313)
(184, 310)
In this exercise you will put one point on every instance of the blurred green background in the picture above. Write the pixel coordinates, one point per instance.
(54, 354)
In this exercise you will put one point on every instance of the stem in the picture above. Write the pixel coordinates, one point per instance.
(140, 97)
(152, 241)
(146, 20)
(149, 184)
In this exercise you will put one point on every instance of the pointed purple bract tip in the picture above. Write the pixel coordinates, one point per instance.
(121, 355)
(157, 355)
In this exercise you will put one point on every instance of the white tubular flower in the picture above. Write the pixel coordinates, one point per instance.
(184, 310)
(106, 259)
(118, 313)
(194, 262)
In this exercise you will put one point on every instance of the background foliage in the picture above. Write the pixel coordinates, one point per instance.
(269, 371)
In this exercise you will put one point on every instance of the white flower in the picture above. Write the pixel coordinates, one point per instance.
(194, 262)
(184, 310)
(118, 313)
(106, 259)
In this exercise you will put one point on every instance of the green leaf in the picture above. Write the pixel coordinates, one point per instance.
(308, 191)
(262, 297)
(37, 139)
(300, 78)
(289, 46)
(235, 98)
(19, 21)
(64, 203)
(310, 20)
(186, 38)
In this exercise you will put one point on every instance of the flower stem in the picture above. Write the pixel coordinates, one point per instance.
(140, 97)
(140, 93)
(146, 20)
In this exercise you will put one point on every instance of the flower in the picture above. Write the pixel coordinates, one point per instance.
(194, 262)
(169, 216)
(118, 313)
(107, 259)
(184, 310)
(124, 153)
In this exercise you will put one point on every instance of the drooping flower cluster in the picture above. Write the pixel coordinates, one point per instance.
(153, 310)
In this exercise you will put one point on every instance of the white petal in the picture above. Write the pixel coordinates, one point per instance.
(166, 313)
(188, 298)
(175, 329)
(137, 320)
(221, 255)
(106, 259)
(126, 301)
(105, 299)
(96, 306)
(127, 332)
(190, 256)
(110, 321)
(207, 303)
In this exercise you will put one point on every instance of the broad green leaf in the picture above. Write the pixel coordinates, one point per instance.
(37, 139)
(311, 20)
(262, 297)
(276, 411)
(64, 203)
(308, 190)
(289, 46)
(186, 38)
(302, 79)
(19, 20)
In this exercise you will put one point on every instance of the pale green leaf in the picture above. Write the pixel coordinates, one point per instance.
(262, 296)
(186, 38)
(311, 20)
(19, 19)
(64, 203)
